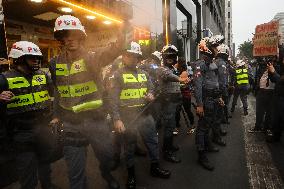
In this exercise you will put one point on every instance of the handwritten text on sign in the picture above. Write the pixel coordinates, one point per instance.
(265, 41)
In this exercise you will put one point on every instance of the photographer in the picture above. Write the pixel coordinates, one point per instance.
(264, 91)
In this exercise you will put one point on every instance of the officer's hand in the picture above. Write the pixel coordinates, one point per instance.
(200, 111)
(119, 126)
(221, 102)
(270, 68)
(6, 96)
(150, 97)
(54, 121)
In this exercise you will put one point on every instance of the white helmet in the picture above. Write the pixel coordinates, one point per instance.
(169, 49)
(223, 49)
(157, 54)
(135, 48)
(68, 22)
(240, 63)
(22, 48)
(216, 40)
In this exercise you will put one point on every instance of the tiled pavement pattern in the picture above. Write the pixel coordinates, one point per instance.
(262, 172)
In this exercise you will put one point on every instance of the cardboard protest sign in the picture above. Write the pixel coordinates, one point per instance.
(265, 41)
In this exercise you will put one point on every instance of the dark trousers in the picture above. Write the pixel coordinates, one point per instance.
(241, 91)
(277, 117)
(145, 126)
(98, 134)
(211, 120)
(264, 102)
(29, 147)
(168, 121)
(186, 105)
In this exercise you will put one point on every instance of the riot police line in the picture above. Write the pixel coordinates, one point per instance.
(133, 98)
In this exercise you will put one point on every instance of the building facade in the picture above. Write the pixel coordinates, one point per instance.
(153, 23)
(228, 25)
(213, 14)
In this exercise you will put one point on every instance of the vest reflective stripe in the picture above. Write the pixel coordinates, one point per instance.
(41, 96)
(134, 106)
(38, 80)
(76, 67)
(17, 82)
(62, 70)
(86, 106)
(243, 82)
(27, 99)
(133, 93)
(242, 76)
(130, 78)
(77, 89)
(21, 100)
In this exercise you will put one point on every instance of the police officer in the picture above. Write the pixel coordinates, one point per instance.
(132, 91)
(241, 82)
(222, 63)
(24, 95)
(208, 99)
(79, 105)
(170, 98)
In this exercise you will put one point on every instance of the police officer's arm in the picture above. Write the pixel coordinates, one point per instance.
(5, 94)
(197, 84)
(167, 75)
(115, 103)
(221, 75)
(52, 70)
(115, 96)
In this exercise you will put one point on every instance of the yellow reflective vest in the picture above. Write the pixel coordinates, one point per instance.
(133, 89)
(76, 86)
(31, 94)
(242, 76)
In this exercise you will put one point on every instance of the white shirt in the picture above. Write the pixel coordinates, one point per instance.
(263, 81)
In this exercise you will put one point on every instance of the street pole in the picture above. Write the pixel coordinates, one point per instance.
(3, 40)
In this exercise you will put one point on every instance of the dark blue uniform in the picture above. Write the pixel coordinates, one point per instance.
(207, 94)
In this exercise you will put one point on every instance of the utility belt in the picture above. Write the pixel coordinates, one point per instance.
(212, 93)
(75, 139)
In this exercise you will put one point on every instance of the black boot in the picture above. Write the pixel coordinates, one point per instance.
(212, 148)
(112, 183)
(246, 112)
(204, 162)
(131, 179)
(219, 141)
(171, 157)
(157, 171)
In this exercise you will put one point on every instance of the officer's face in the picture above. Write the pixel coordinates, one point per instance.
(170, 61)
(72, 40)
(130, 60)
(33, 62)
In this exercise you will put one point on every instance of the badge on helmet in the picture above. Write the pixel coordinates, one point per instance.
(68, 22)
(134, 48)
(22, 48)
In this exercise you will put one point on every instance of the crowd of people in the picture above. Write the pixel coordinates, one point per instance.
(80, 104)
